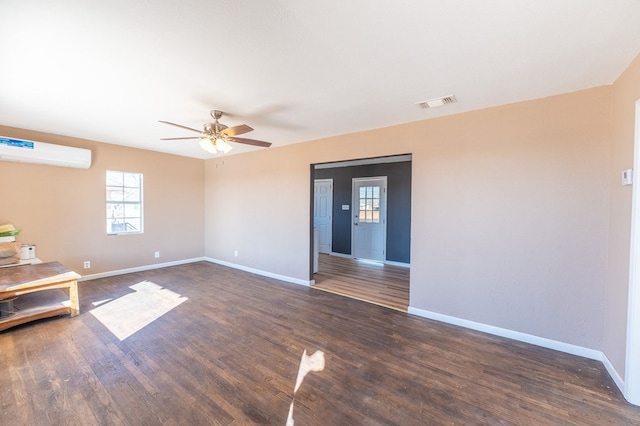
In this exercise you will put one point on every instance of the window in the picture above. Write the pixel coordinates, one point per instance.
(369, 204)
(124, 203)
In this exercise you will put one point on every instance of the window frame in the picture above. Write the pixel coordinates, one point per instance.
(110, 204)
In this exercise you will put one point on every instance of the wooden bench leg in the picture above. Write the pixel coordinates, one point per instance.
(73, 298)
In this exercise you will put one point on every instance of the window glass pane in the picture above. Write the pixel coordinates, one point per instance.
(133, 225)
(363, 192)
(376, 192)
(362, 216)
(115, 211)
(131, 194)
(376, 204)
(376, 217)
(114, 178)
(369, 191)
(131, 180)
(114, 194)
(131, 211)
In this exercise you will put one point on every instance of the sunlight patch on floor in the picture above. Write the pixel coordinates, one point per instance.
(308, 363)
(132, 312)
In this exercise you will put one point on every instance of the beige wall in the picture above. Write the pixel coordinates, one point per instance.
(62, 210)
(513, 202)
(510, 210)
(626, 91)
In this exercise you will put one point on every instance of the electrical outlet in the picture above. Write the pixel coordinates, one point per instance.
(156, 254)
(87, 264)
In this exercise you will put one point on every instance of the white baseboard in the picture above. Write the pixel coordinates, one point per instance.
(139, 269)
(400, 264)
(306, 283)
(333, 253)
(197, 259)
(386, 262)
(617, 379)
(526, 338)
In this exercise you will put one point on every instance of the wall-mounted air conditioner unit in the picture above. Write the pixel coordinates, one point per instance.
(43, 153)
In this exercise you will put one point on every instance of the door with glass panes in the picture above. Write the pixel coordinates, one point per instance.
(369, 226)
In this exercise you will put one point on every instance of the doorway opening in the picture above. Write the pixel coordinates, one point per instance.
(368, 257)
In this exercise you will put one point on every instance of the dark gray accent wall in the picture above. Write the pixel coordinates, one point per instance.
(398, 206)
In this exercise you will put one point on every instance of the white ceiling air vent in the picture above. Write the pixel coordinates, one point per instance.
(436, 102)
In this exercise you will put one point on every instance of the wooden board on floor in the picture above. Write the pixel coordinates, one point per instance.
(385, 285)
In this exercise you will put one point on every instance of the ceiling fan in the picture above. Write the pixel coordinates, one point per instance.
(216, 136)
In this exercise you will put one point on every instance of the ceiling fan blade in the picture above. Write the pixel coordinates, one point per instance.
(237, 130)
(175, 139)
(251, 142)
(180, 125)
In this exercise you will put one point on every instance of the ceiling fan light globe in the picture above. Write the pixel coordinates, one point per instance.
(208, 145)
(222, 145)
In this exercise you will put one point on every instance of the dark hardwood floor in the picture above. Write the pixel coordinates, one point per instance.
(384, 285)
(231, 352)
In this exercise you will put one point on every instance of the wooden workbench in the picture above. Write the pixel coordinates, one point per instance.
(38, 291)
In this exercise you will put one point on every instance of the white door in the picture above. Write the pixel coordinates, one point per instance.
(369, 230)
(322, 211)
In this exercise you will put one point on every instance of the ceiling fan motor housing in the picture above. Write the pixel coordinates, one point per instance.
(214, 128)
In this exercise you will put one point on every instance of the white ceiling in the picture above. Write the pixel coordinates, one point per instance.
(293, 70)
